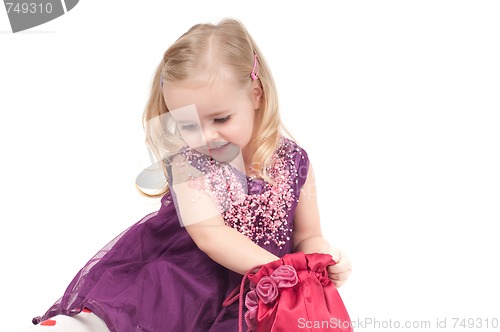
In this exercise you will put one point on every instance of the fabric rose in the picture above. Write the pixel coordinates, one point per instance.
(251, 302)
(267, 289)
(285, 276)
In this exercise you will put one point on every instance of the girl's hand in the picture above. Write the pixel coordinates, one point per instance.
(339, 273)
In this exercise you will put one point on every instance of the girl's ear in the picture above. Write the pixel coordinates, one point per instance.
(257, 94)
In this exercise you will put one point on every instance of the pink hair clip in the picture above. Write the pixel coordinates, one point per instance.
(255, 72)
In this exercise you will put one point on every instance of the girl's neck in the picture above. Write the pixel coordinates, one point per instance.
(247, 159)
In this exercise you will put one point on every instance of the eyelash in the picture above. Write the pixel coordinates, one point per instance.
(192, 127)
(222, 120)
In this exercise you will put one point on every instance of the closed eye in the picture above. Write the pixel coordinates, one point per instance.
(222, 120)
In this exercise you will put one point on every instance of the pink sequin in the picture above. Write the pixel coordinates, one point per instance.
(262, 217)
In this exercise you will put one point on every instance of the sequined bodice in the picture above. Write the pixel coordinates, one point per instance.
(257, 209)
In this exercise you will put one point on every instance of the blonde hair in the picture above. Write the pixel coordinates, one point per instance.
(232, 45)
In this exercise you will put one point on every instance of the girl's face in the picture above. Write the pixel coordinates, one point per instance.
(217, 118)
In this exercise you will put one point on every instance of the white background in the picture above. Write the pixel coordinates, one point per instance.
(396, 102)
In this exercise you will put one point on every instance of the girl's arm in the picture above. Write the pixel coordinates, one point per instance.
(204, 223)
(307, 235)
(227, 246)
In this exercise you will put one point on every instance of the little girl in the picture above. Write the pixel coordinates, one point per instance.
(239, 195)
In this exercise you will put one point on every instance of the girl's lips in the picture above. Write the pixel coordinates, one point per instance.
(219, 149)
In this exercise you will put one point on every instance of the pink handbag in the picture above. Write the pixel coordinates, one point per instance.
(293, 293)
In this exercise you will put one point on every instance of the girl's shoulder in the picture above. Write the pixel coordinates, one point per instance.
(290, 163)
(290, 150)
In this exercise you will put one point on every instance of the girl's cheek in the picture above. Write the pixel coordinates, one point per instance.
(194, 139)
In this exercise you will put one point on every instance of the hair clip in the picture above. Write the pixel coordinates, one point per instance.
(161, 80)
(255, 72)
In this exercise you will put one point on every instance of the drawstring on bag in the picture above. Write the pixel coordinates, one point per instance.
(237, 294)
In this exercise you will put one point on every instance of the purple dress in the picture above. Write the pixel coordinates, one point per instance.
(153, 277)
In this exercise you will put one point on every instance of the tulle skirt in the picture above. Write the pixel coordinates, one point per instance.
(153, 277)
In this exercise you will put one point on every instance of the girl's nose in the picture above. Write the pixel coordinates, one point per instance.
(211, 134)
